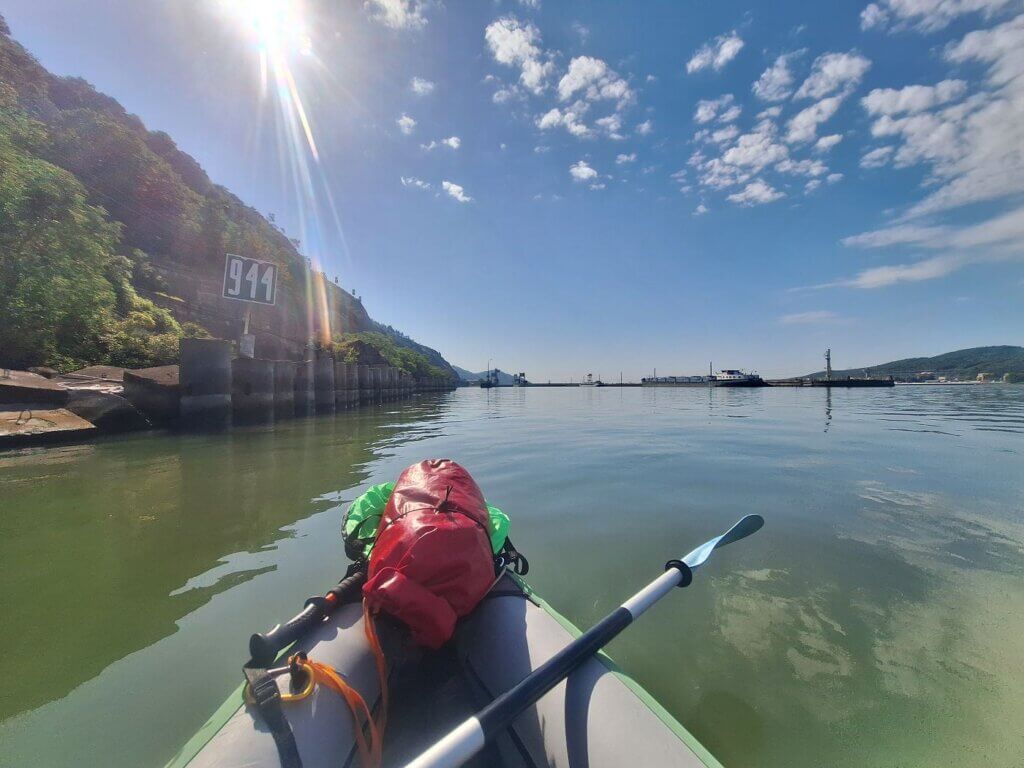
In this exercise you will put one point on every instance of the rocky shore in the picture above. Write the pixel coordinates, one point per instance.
(209, 388)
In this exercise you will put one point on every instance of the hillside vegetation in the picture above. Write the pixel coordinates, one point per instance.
(963, 364)
(112, 240)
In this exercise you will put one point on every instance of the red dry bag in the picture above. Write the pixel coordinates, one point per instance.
(432, 560)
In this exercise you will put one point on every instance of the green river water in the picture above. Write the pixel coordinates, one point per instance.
(876, 620)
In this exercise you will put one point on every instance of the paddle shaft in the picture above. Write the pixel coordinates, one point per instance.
(470, 737)
(473, 734)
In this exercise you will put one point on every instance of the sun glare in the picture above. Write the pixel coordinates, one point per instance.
(275, 24)
(284, 45)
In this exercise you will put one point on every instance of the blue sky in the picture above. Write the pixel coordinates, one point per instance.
(566, 187)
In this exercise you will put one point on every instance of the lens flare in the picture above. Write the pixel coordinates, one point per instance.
(286, 50)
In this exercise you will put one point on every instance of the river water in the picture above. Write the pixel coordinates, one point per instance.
(876, 620)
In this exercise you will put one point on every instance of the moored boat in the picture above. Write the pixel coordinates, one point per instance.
(728, 377)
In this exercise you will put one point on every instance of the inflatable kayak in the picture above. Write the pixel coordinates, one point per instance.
(598, 717)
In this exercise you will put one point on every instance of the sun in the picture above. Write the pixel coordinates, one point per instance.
(278, 26)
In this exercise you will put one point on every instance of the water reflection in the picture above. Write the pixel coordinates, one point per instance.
(88, 530)
(876, 620)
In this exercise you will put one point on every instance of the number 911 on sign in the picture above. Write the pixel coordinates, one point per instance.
(250, 280)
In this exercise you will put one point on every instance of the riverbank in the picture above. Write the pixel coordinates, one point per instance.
(209, 389)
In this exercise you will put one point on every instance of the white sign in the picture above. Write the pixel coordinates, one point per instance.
(250, 280)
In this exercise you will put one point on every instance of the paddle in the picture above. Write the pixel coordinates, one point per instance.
(471, 736)
(264, 647)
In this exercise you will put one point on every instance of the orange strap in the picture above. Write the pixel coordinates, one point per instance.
(382, 666)
(324, 674)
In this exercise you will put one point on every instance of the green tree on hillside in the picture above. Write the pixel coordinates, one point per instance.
(66, 295)
(54, 248)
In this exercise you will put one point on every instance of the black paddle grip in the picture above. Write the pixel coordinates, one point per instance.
(264, 647)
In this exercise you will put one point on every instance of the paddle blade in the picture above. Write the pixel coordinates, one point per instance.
(743, 528)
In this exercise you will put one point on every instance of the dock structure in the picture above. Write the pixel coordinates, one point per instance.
(323, 383)
(848, 381)
(305, 391)
(284, 389)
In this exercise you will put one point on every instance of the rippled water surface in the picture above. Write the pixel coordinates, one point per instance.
(877, 620)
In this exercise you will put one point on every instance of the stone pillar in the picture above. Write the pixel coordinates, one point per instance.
(378, 382)
(340, 385)
(323, 384)
(351, 385)
(252, 389)
(305, 392)
(204, 379)
(365, 384)
(392, 383)
(284, 389)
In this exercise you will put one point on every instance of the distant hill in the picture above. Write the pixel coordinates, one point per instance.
(112, 240)
(503, 378)
(963, 364)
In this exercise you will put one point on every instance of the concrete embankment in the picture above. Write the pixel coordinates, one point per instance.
(208, 389)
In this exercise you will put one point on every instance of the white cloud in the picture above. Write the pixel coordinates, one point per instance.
(716, 53)
(913, 98)
(803, 126)
(802, 167)
(570, 119)
(756, 192)
(834, 178)
(412, 181)
(595, 79)
(708, 109)
(456, 191)
(624, 158)
(731, 113)
(926, 269)
(876, 158)
(825, 143)
(927, 15)
(700, 210)
(582, 31)
(832, 72)
(598, 185)
(771, 112)
(932, 138)
(452, 142)
(751, 153)
(776, 82)
(813, 317)
(517, 44)
(757, 149)
(611, 125)
(644, 128)
(397, 14)
(421, 87)
(724, 135)
(580, 171)
(873, 16)
(999, 238)
(897, 235)
(1006, 231)
(974, 147)
(406, 124)
(530, 3)
(506, 93)
(811, 185)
